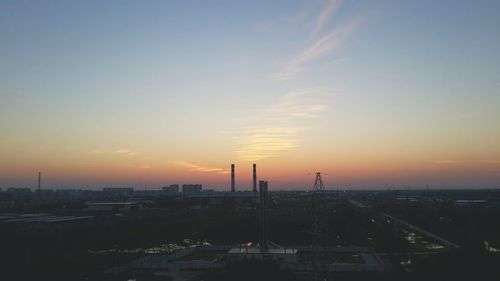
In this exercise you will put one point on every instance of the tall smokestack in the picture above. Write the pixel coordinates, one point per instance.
(233, 188)
(263, 221)
(39, 184)
(254, 178)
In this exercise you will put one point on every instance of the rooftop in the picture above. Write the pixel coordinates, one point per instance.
(256, 250)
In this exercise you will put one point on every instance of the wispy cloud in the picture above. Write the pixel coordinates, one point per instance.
(457, 162)
(200, 168)
(321, 47)
(264, 142)
(281, 127)
(448, 162)
(122, 151)
(131, 158)
(125, 151)
(328, 10)
(490, 161)
(298, 104)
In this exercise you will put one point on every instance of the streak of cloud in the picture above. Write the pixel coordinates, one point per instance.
(279, 130)
(321, 47)
(199, 168)
(125, 152)
(457, 162)
(489, 161)
(264, 142)
(122, 151)
(299, 104)
(326, 13)
(447, 162)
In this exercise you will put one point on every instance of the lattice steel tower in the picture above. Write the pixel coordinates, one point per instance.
(318, 183)
(319, 228)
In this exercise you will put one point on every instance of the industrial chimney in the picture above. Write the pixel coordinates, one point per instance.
(39, 184)
(233, 188)
(263, 221)
(254, 178)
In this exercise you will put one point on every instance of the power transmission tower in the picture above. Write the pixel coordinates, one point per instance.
(318, 183)
(319, 227)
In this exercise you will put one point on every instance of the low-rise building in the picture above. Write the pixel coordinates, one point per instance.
(118, 191)
(191, 188)
(172, 189)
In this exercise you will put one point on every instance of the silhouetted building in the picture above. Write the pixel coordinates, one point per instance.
(19, 192)
(173, 189)
(191, 188)
(118, 191)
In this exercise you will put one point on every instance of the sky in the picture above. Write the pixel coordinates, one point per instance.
(373, 94)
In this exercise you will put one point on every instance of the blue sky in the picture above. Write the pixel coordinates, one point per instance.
(189, 86)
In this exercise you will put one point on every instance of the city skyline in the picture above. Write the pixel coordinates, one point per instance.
(372, 94)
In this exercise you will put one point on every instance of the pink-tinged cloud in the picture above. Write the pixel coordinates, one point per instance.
(199, 168)
(455, 162)
(122, 151)
(326, 13)
(321, 47)
(448, 162)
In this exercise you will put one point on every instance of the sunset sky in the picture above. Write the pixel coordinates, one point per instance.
(374, 94)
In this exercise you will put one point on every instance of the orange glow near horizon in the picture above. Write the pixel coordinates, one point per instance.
(95, 172)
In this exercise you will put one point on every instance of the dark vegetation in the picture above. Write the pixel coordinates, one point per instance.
(63, 253)
(251, 271)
